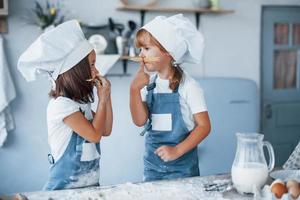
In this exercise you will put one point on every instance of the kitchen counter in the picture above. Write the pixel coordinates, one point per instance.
(181, 189)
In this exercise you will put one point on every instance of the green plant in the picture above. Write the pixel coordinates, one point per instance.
(47, 15)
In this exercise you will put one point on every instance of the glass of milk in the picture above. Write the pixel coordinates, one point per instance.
(249, 168)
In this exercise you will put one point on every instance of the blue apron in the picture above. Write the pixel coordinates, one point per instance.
(69, 171)
(154, 167)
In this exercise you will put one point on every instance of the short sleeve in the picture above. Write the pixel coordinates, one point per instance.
(195, 97)
(60, 108)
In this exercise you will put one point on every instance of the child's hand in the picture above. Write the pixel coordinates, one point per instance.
(167, 153)
(141, 79)
(103, 89)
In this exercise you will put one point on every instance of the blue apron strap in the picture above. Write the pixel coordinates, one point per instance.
(149, 96)
(149, 101)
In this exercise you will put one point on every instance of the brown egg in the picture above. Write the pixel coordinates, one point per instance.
(278, 189)
(277, 181)
(292, 183)
(294, 191)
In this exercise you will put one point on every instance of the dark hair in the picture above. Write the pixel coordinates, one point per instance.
(73, 84)
(142, 37)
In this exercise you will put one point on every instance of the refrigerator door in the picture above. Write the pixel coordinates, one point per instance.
(233, 106)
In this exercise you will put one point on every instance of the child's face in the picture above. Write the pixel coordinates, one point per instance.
(92, 62)
(151, 50)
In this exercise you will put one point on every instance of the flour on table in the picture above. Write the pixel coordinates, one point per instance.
(178, 189)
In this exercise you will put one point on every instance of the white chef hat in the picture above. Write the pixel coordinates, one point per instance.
(178, 36)
(55, 51)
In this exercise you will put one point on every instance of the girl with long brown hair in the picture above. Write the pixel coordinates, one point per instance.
(74, 129)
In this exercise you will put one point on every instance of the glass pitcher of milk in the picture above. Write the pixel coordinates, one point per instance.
(249, 167)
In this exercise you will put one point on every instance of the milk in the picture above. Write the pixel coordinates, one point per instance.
(248, 175)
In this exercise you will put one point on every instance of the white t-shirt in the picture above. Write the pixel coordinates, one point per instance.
(191, 97)
(59, 134)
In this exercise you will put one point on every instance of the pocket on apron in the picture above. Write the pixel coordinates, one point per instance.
(89, 152)
(162, 122)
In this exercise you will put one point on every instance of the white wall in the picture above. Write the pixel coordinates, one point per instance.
(232, 50)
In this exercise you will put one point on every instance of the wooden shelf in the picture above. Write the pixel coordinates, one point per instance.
(197, 11)
(161, 9)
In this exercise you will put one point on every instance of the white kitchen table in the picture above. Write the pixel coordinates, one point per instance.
(181, 189)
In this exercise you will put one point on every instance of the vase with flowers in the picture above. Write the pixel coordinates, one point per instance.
(46, 15)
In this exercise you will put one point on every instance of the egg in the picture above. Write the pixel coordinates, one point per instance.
(294, 191)
(292, 183)
(278, 189)
(277, 181)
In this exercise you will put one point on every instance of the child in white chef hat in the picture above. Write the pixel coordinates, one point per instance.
(170, 103)
(74, 130)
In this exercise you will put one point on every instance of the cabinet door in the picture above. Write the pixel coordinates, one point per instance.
(281, 79)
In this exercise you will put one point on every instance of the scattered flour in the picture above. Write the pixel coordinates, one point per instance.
(179, 189)
(91, 178)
